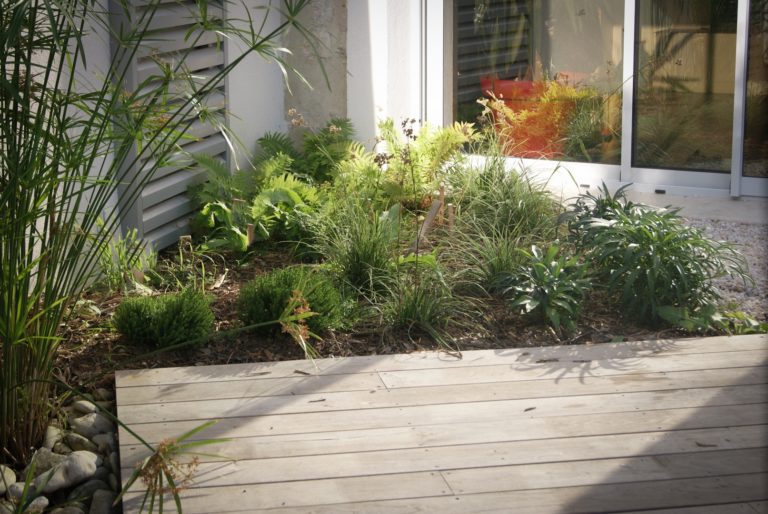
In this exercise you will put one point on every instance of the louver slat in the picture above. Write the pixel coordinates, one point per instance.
(161, 213)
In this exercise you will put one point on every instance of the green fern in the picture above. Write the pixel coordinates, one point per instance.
(323, 150)
(417, 158)
(220, 184)
(274, 143)
(277, 209)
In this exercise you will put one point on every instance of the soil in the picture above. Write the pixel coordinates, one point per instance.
(92, 351)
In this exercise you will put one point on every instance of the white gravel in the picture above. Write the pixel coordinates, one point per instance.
(753, 244)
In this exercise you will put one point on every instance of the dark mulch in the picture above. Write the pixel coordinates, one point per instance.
(91, 351)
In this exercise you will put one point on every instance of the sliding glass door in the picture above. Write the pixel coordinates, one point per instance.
(756, 126)
(666, 94)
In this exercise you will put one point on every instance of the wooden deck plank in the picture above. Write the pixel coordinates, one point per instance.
(732, 508)
(576, 500)
(327, 401)
(509, 478)
(250, 420)
(253, 497)
(653, 426)
(339, 392)
(431, 360)
(521, 429)
(574, 368)
(608, 471)
(481, 455)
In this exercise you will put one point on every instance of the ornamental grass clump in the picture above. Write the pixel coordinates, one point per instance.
(359, 246)
(267, 297)
(494, 199)
(164, 321)
(420, 301)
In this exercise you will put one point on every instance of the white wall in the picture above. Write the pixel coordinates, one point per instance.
(383, 62)
(255, 88)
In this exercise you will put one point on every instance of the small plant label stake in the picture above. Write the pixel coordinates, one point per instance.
(426, 227)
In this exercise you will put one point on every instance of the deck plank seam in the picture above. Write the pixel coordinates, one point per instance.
(757, 381)
(606, 378)
(528, 441)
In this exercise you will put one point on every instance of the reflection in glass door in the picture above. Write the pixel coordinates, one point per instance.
(756, 125)
(684, 84)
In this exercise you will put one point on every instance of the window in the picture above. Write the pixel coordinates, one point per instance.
(546, 73)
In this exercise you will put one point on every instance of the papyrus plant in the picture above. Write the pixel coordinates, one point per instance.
(65, 148)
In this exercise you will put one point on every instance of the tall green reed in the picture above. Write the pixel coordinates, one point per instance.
(64, 149)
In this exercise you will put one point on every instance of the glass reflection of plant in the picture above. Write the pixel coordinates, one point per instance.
(502, 27)
(560, 121)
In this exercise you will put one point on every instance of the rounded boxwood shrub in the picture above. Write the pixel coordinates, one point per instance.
(266, 298)
(165, 320)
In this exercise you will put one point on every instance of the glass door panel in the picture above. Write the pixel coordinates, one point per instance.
(549, 71)
(684, 84)
(756, 124)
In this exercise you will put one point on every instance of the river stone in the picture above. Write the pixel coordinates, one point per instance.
(78, 442)
(103, 394)
(74, 469)
(70, 509)
(17, 489)
(6, 507)
(62, 448)
(43, 460)
(114, 462)
(113, 484)
(37, 505)
(105, 442)
(102, 502)
(85, 491)
(91, 424)
(84, 407)
(7, 477)
(53, 435)
(102, 473)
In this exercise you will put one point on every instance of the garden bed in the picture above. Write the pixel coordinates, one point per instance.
(406, 248)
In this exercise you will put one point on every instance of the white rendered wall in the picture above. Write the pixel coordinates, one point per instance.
(255, 88)
(383, 62)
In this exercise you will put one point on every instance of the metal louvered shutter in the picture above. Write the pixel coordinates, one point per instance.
(485, 27)
(162, 210)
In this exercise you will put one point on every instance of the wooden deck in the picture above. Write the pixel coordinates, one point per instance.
(667, 426)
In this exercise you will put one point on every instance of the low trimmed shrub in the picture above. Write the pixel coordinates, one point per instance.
(164, 321)
(266, 298)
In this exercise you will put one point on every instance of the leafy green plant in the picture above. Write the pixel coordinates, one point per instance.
(603, 205)
(276, 210)
(265, 298)
(324, 149)
(709, 318)
(651, 259)
(122, 258)
(415, 160)
(188, 266)
(484, 261)
(549, 286)
(224, 232)
(165, 320)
